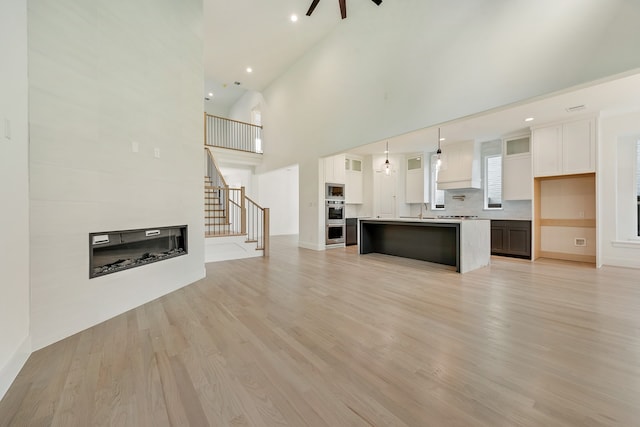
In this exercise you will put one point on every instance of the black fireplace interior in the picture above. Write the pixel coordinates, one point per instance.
(114, 251)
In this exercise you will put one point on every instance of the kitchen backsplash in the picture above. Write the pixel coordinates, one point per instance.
(473, 204)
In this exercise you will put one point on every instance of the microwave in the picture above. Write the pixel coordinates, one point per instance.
(334, 191)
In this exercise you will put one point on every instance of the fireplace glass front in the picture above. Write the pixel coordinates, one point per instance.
(115, 251)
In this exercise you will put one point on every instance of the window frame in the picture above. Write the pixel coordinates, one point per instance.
(485, 182)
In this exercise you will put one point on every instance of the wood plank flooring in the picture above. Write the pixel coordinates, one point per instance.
(333, 338)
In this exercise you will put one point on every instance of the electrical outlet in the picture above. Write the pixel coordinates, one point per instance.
(156, 153)
(135, 146)
(580, 241)
(581, 214)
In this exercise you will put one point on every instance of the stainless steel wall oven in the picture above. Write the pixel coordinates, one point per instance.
(335, 233)
(334, 211)
(335, 214)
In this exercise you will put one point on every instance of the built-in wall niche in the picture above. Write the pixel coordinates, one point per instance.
(565, 217)
(114, 251)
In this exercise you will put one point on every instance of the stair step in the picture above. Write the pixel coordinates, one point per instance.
(217, 221)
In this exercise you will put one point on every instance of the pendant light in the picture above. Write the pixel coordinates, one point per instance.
(439, 152)
(387, 166)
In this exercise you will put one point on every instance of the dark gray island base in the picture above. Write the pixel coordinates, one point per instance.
(463, 244)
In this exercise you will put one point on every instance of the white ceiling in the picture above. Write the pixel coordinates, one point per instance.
(259, 34)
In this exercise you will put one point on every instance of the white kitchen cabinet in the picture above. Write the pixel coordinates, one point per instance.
(460, 166)
(517, 176)
(547, 151)
(579, 147)
(417, 179)
(564, 149)
(354, 180)
(334, 169)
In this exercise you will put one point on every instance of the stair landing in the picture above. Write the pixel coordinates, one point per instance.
(225, 248)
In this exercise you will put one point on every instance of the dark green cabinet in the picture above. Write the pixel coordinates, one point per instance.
(511, 238)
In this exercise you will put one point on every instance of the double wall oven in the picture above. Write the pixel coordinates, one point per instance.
(334, 214)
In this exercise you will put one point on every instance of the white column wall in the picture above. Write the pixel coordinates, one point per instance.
(15, 345)
(278, 190)
(103, 75)
(412, 64)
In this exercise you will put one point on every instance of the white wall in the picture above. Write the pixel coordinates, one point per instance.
(211, 107)
(239, 176)
(241, 110)
(617, 206)
(278, 190)
(412, 64)
(102, 75)
(15, 346)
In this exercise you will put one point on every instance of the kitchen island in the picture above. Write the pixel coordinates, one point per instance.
(462, 243)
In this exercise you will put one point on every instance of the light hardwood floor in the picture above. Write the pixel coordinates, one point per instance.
(332, 338)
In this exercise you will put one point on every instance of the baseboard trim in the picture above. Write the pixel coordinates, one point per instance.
(567, 257)
(312, 246)
(10, 371)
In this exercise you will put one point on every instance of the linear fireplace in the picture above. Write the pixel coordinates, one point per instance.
(113, 251)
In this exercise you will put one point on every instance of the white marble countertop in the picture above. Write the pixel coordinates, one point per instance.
(436, 220)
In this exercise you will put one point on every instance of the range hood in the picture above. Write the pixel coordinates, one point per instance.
(460, 166)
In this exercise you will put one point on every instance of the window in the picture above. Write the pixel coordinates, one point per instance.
(256, 119)
(493, 182)
(437, 196)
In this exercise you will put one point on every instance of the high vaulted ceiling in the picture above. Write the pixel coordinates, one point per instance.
(261, 35)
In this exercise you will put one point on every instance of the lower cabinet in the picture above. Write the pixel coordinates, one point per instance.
(352, 231)
(511, 238)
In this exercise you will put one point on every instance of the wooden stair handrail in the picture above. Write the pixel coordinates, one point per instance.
(215, 165)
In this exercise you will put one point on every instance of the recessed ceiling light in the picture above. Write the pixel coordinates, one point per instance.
(210, 93)
(442, 139)
(528, 119)
(249, 70)
(294, 18)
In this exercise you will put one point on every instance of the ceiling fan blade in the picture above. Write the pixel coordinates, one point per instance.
(312, 7)
(343, 8)
(377, 2)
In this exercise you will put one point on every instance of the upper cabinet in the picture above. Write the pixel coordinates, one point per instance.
(579, 147)
(565, 149)
(417, 179)
(460, 166)
(354, 182)
(334, 169)
(517, 180)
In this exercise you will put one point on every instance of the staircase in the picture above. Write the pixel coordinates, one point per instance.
(216, 220)
(235, 226)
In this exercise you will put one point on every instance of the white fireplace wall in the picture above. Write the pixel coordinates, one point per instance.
(14, 193)
(115, 92)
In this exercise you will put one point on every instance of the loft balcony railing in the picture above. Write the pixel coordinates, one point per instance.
(232, 134)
